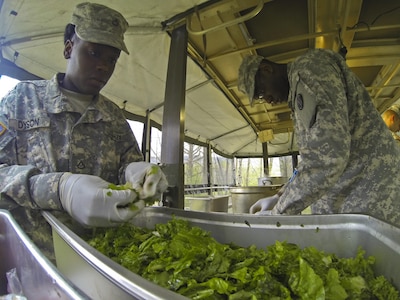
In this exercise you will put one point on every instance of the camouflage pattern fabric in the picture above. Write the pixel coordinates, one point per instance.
(395, 136)
(349, 160)
(247, 75)
(100, 24)
(43, 137)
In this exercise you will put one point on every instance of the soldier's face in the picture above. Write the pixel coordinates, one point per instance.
(270, 86)
(89, 66)
(395, 125)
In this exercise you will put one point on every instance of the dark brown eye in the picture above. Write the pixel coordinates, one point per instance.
(92, 52)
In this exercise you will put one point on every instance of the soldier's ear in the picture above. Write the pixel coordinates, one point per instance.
(266, 67)
(67, 49)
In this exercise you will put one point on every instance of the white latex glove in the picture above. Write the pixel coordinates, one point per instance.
(147, 179)
(264, 204)
(89, 201)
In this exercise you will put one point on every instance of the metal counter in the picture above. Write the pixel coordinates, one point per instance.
(39, 278)
(102, 278)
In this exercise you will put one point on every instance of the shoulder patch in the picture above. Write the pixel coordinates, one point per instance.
(305, 105)
(3, 128)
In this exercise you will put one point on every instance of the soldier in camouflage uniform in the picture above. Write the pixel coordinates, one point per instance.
(391, 117)
(62, 143)
(349, 161)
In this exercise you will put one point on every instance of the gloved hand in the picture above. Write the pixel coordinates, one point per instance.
(147, 179)
(264, 204)
(89, 201)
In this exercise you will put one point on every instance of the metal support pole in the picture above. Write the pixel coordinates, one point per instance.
(174, 119)
(209, 175)
(265, 158)
(146, 138)
(295, 161)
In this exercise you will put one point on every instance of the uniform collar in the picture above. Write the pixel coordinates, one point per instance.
(56, 102)
(292, 83)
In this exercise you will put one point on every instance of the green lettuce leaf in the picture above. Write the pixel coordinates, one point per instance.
(189, 261)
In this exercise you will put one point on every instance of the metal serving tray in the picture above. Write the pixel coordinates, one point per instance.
(102, 278)
(39, 278)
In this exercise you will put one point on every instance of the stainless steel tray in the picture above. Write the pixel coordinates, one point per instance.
(102, 278)
(39, 278)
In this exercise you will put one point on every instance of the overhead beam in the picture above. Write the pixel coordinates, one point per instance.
(10, 69)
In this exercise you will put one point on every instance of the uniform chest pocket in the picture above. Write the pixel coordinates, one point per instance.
(34, 142)
(115, 135)
(104, 139)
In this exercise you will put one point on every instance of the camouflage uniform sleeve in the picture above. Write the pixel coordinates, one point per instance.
(323, 136)
(395, 136)
(19, 186)
(14, 186)
(44, 190)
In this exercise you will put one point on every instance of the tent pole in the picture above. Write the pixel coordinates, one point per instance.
(174, 119)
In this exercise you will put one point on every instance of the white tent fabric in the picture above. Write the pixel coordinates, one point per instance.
(32, 37)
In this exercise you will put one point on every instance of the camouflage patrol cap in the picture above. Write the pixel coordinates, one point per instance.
(100, 24)
(396, 109)
(247, 74)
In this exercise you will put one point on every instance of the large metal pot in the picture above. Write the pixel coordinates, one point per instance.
(271, 180)
(244, 197)
(207, 203)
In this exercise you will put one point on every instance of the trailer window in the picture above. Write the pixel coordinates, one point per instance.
(137, 129)
(249, 170)
(6, 84)
(195, 164)
(155, 145)
(222, 172)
